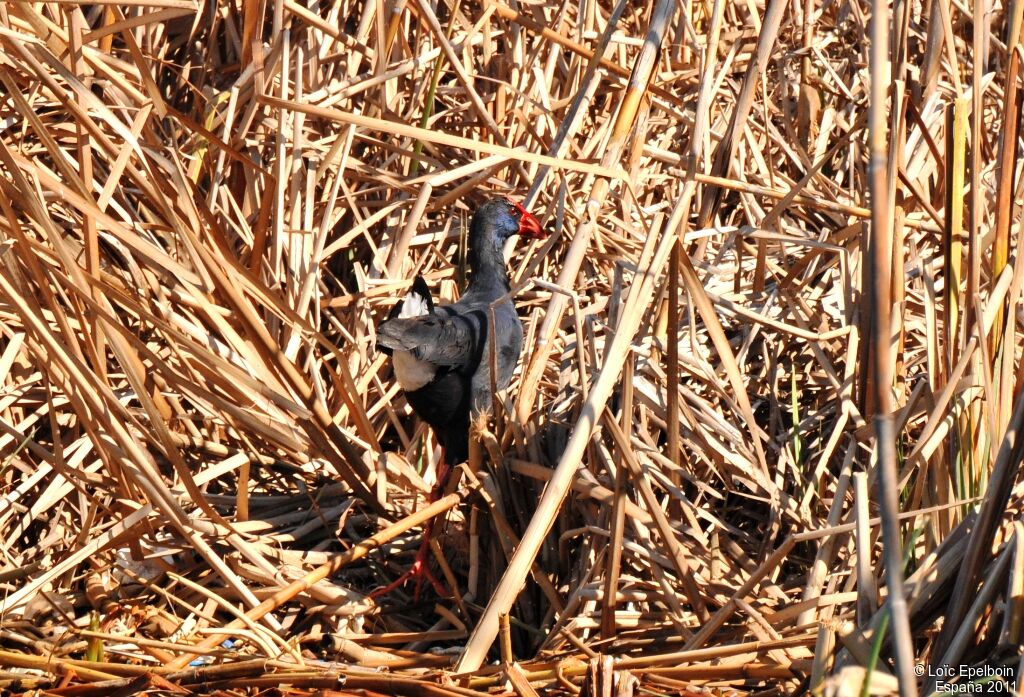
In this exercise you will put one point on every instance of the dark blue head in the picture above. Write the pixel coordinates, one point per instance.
(497, 220)
(493, 223)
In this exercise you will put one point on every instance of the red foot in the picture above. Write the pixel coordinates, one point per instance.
(420, 568)
(420, 571)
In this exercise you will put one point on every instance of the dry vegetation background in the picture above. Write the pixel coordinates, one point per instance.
(206, 209)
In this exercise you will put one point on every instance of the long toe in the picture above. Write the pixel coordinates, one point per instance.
(420, 571)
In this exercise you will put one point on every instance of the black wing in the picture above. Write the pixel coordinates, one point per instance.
(451, 341)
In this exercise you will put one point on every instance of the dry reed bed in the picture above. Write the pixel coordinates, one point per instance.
(207, 209)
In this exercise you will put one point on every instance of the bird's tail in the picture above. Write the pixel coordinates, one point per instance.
(416, 303)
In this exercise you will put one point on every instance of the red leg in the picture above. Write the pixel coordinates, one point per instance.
(420, 568)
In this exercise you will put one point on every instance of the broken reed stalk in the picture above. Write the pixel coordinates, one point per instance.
(880, 260)
(867, 590)
(672, 355)
(617, 522)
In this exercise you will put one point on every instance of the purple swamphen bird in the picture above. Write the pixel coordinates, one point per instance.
(441, 354)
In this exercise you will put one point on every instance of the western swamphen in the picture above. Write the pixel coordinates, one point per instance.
(441, 354)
